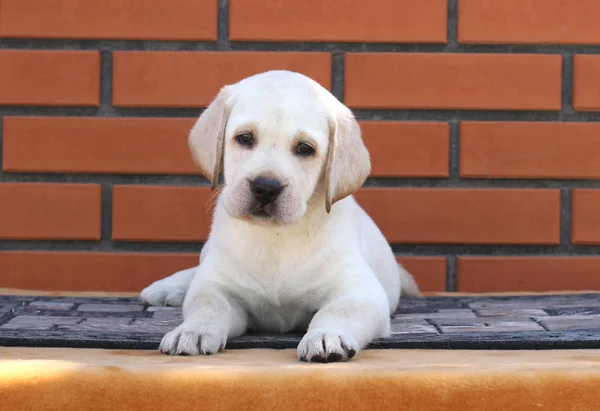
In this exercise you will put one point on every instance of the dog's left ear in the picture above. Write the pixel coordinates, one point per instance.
(206, 139)
(348, 162)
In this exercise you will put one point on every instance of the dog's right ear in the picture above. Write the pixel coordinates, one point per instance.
(207, 137)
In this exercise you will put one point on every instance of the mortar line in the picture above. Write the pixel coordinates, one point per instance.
(399, 249)
(223, 43)
(454, 151)
(337, 75)
(452, 25)
(106, 84)
(567, 86)
(198, 181)
(223, 25)
(451, 276)
(106, 218)
(565, 216)
(362, 114)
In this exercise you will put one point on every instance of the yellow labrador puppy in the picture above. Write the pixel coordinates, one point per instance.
(289, 249)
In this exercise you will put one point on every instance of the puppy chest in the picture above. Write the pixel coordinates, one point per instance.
(266, 317)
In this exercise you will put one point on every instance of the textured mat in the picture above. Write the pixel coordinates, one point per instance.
(461, 322)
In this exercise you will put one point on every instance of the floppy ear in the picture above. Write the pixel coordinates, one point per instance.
(206, 139)
(348, 162)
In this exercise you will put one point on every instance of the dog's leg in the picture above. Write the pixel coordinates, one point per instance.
(169, 291)
(346, 324)
(210, 318)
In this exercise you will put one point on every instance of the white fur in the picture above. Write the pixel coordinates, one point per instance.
(318, 262)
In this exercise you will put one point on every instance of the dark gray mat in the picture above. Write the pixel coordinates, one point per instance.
(522, 322)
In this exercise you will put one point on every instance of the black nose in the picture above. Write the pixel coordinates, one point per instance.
(266, 190)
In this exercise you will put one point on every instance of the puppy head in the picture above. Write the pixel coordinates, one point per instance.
(282, 142)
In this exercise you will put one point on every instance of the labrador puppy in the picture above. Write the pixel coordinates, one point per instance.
(289, 248)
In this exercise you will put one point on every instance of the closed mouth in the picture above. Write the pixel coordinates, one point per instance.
(260, 213)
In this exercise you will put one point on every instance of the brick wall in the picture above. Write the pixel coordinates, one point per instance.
(481, 117)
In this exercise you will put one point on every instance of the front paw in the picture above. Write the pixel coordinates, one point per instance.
(193, 339)
(327, 346)
(163, 293)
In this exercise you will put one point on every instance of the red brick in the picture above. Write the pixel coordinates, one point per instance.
(453, 81)
(586, 86)
(83, 271)
(494, 274)
(97, 145)
(154, 213)
(529, 150)
(453, 216)
(528, 21)
(109, 19)
(192, 79)
(585, 216)
(464, 216)
(131, 272)
(428, 272)
(392, 21)
(407, 149)
(137, 146)
(49, 78)
(32, 211)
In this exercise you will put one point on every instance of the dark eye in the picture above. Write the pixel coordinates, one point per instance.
(304, 150)
(245, 139)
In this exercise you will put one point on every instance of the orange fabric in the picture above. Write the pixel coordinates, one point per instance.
(411, 380)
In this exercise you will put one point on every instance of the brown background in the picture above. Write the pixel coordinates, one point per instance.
(480, 115)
